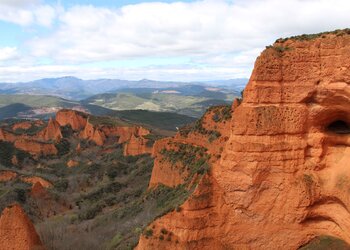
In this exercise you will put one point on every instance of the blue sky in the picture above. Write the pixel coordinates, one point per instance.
(161, 40)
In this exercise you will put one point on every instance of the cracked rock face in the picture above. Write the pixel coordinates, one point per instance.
(283, 177)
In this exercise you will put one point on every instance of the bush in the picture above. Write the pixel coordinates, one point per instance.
(21, 195)
(90, 212)
(115, 241)
(213, 136)
(7, 150)
(63, 147)
(221, 113)
(67, 131)
(191, 157)
(151, 139)
(61, 185)
(148, 233)
(112, 172)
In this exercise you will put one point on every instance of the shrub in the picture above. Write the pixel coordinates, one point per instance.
(112, 172)
(148, 233)
(67, 131)
(152, 139)
(7, 150)
(194, 158)
(61, 185)
(90, 212)
(221, 113)
(213, 136)
(115, 241)
(21, 195)
(63, 147)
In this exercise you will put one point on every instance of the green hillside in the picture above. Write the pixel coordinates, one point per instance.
(188, 105)
(36, 101)
(13, 110)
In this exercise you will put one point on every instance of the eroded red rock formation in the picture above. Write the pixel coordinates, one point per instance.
(35, 179)
(6, 135)
(35, 147)
(124, 133)
(22, 125)
(210, 132)
(137, 145)
(51, 132)
(38, 191)
(7, 176)
(72, 163)
(93, 133)
(75, 119)
(17, 231)
(283, 177)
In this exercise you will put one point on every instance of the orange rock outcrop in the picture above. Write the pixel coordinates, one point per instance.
(17, 231)
(7, 176)
(72, 163)
(124, 133)
(166, 173)
(282, 178)
(93, 133)
(14, 160)
(75, 119)
(137, 146)
(38, 144)
(22, 125)
(51, 132)
(7, 136)
(38, 191)
(36, 148)
(35, 179)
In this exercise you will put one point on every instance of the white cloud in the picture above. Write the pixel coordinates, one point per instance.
(19, 3)
(27, 13)
(8, 53)
(220, 38)
(45, 15)
(202, 28)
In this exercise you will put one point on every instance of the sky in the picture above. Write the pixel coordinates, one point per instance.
(197, 40)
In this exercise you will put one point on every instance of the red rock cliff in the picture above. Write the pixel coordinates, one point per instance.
(93, 133)
(51, 132)
(36, 148)
(125, 133)
(210, 132)
(75, 119)
(17, 231)
(137, 146)
(283, 175)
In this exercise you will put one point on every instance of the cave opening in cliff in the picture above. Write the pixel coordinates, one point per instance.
(339, 127)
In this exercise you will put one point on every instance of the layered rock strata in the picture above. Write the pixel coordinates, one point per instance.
(282, 178)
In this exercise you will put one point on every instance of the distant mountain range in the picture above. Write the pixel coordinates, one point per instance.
(77, 89)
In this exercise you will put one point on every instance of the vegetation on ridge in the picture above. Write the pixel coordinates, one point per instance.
(307, 37)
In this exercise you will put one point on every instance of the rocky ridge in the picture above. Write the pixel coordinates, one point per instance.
(281, 179)
(44, 142)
